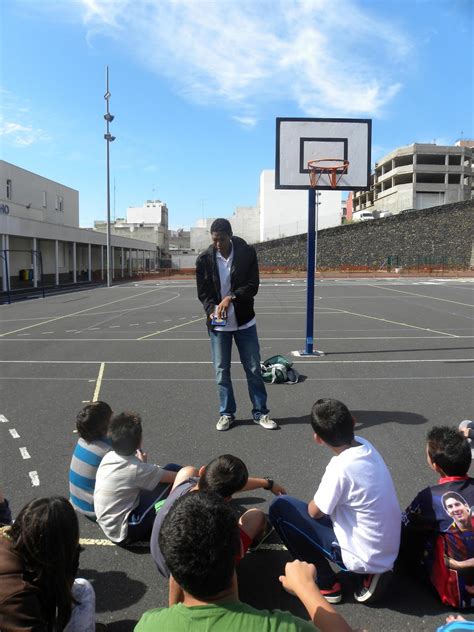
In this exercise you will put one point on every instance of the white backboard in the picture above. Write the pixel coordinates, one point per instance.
(299, 140)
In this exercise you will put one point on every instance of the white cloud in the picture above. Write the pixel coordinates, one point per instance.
(246, 121)
(328, 58)
(16, 125)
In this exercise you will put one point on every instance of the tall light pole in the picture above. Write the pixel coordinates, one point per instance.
(108, 139)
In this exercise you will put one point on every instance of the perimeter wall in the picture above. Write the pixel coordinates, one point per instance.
(441, 235)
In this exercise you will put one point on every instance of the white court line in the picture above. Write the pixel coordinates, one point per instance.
(432, 298)
(202, 339)
(3, 419)
(81, 311)
(395, 322)
(24, 453)
(14, 433)
(99, 382)
(302, 359)
(35, 481)
(163, 331)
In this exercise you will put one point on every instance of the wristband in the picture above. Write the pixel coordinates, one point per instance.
(270, 482)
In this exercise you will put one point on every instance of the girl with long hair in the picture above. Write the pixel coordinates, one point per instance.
(39, 558)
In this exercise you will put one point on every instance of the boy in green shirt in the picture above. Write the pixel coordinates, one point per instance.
(200, 542)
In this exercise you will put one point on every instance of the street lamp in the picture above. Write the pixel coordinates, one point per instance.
(108, 139)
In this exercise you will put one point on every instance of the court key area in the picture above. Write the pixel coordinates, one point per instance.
(399, 352)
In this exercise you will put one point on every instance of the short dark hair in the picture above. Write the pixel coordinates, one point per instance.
(332, 422)
(125, 432)
(93, 420)
(449, 450)
(221, 225)
(200, 540)
(225, 475)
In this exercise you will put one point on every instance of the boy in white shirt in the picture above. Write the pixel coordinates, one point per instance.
(354, 517)
(127, 487)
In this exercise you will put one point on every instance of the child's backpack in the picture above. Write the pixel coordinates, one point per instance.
(278, 369)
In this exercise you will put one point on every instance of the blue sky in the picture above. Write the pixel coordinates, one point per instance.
(196, 87)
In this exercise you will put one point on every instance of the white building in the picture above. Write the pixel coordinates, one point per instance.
(41, 238)
(284, 212)
(419, 176)
(148, 222)
(278, 213)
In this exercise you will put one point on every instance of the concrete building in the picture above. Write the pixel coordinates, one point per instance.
(419, 176)
(148, 223)
(278, 213)
(284, 212)
(39, 228)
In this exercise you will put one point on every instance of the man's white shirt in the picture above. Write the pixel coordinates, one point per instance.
(224, 266)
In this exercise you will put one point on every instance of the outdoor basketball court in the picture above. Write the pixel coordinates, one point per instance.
(399, 353)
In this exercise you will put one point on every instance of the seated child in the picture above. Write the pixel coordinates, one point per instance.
(438, 527)
(127, 487)
(91, 423)
(200, 542)
(354, 517)
(225, 475)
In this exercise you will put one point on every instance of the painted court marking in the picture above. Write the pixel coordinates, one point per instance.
(81, 311)
(431, 298)
(99, 382)
(170, 328)
(24, 453)
(35, 481)
(3, 419)
(303, 360)
(14, 433)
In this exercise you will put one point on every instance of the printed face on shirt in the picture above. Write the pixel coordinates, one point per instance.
(457, 510)
(221, 242)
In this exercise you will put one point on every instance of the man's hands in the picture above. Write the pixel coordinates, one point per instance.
(221, 309)
(297, 575)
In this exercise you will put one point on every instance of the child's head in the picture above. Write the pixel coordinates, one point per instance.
(448, 450)
(93, 420)
(224, 475)
(125, 433)
(200, 539)
(332, 422)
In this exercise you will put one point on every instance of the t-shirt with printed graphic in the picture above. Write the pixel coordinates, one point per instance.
(438, 533)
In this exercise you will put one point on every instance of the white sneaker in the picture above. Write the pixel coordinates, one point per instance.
(265, 422)
(225, 422)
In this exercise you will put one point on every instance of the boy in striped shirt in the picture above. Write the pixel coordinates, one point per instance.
(92, 423)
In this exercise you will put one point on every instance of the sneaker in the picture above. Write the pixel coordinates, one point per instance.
(265, 422)
(372, 587)
(333, 594)
(225, 422)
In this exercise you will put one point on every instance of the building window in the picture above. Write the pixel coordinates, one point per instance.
(59, 203)
(9, 189)
(45, 199)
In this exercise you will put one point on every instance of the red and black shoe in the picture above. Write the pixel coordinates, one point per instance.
(371, 587)
(333, 594)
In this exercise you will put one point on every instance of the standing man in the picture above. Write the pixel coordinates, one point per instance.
(227, 280)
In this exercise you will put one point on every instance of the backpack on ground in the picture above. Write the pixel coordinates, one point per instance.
(278, 369)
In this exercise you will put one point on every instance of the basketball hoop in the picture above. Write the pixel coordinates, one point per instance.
(334, 171)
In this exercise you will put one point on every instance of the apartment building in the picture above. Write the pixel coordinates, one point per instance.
(419, 176)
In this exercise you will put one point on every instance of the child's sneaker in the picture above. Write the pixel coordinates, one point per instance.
(372, 587)
(265, 421)
(333, 594)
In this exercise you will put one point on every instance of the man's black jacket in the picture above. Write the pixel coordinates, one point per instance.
(244, 280)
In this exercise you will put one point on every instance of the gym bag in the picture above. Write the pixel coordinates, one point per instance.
(278, 369)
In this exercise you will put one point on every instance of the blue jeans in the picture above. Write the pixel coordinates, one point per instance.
(307, 539)
(249, 351)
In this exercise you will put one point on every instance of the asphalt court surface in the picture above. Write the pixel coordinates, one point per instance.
(399, 352)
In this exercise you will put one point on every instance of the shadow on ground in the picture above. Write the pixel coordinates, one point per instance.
(125, 593)
(368, 418)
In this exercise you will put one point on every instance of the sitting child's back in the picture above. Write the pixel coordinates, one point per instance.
(92, 423)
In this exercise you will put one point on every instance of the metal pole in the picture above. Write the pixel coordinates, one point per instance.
(310, 272)
(313, 208)
(108, 138)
